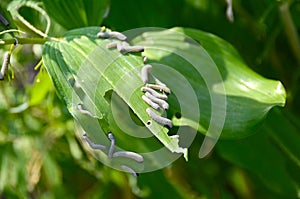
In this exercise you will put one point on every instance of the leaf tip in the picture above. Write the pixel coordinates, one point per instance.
(280, 90)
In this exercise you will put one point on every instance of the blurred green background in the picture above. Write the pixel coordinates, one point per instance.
(40, 157)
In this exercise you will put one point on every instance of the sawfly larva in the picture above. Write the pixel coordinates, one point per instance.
(159, 119)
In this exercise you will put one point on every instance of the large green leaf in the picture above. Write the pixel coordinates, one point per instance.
(79, 13)
(282, 127)
(231, 98)
(249, 96)
(272, 154)
(85, 71)
(144, 13)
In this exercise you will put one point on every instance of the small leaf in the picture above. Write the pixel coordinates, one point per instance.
(42, 85)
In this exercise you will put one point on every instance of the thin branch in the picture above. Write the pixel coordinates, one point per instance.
(26, 40)
(290, 29)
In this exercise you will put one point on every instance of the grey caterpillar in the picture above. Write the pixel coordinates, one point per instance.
(229, 11)
(117, 44)
(116, 35)
(154, 93)
(145, 59)
(120, 46)
(128, 154)
(129, 170)
(150, 102)
(158, 101)
(159, 119)
(159, 87)
(112, 145)
(112, 44)
(145, 73)
(82, 110)
(125, 47)
(130, 49)
(5, 63)
(93, 145)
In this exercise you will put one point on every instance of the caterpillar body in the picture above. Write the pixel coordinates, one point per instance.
(163, 104)
(6, 59)
(145, 73)
(93, 145)
(159, 87)
(116, 35)
(159, 119)
(150, 102)
(128, 154)
(154, 93)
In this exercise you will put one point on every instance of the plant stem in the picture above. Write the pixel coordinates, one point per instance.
(26, 40)
(290, 29)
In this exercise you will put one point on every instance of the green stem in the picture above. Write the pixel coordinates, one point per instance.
(290, 29)
(27, 40)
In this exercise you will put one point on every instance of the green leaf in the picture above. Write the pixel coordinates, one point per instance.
(40, 88)
(144, 14)
(282, 127)
(28, 21)
(213, 91)
(79, 13)
(84, 71)
(272, 154)
(52, 171)
(249, 96)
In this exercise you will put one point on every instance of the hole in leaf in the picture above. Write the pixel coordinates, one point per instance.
(108, 95)
(178, 115)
